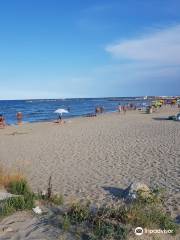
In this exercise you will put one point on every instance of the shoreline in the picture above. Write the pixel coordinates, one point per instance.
(66, 119)
(162, 110)
(43, 110)
(84, 116)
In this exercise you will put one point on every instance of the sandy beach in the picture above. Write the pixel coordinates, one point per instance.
(96, 157)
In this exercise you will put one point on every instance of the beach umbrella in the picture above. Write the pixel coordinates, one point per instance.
(60, 111)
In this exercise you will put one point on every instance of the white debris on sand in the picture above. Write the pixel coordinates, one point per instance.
(37, 210)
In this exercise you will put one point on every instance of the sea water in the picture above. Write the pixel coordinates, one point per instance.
(43, 109)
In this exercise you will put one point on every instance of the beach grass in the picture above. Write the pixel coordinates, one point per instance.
(113, 221)
(57, 199)
(9, 176)
(13, 204)
(116, 221)
(15, 183)
(18, 186)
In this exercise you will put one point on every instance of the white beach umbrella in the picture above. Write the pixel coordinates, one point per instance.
(61, 111)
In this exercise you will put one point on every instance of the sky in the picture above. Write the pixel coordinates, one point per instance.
(77, 48)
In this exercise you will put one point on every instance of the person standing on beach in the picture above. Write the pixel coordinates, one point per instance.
(119, 108)
(101, 109)
(19, 117)
(2, 121)
(124, 109)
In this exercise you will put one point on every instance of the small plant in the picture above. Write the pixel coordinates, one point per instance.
(18, 187)
(6, 208)
(156, 197)
(79, 212)
(18, 203)
(108, 229)
(10, 205)
(49, 189)
(146, 213)
(6, 176)
(29, 198)
(164, 221)
(57, 199)
(16, 184)
(66, 223)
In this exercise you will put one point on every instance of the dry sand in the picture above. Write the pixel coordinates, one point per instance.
(96, 157)
(85, 156)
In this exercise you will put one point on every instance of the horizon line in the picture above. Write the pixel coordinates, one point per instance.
(65, 98)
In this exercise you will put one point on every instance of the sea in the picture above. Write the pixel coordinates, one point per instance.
(38, 110)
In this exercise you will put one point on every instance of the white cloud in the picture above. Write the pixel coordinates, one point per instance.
(161, 46)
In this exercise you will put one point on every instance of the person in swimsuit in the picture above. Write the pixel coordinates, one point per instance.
(19, 117)
(2, 121)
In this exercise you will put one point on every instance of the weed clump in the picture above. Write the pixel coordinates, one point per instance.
(79, 213)
(24, 198)
(6, 177)
(66, 223)
(117, 221)
(113, 222)
(57, 199)
(18, 187)
(48, 196)
(10, 205)
(107, 228)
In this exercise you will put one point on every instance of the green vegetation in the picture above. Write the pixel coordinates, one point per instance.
(54, 199)
(108, 229)
(24, 199)
(6, 176)
(48, 195)
(66, 223)
(10, 205)
(6, 208)
(148, 212)
(79, 213)
(117, 221)
(99, 225)
(18, 187)
(57, 199)
(113, 222)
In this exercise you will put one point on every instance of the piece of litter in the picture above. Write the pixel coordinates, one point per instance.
(37, 210)
(44, 193)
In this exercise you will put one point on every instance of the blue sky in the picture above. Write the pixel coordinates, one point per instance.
(58, 48)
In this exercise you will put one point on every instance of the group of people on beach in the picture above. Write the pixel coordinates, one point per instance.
(122, 109)
(98, 110)
(19, 117)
